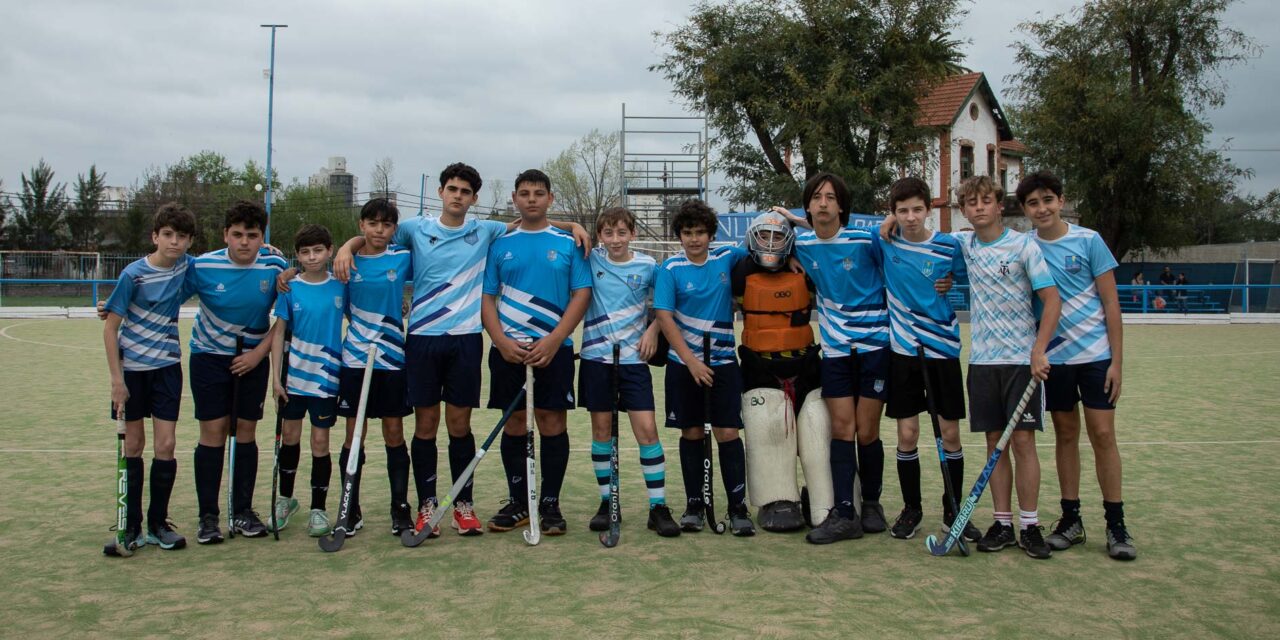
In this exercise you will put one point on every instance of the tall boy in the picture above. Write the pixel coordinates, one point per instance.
(537, 287)
(145, 361)
(693, 295)
(622, 282)
(313, 309)
(1086, 356)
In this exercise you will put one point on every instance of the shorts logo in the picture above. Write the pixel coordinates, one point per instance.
(342, 404)
(847, 263)
(671, 416)
(263, 286)
(1027, 417)
(1073, 264)
(927, 268)
(322, 418)
(391, 275)
(569, 397)
(337, 302)
(471, 237)
(551, 255)
(878, 386)
(635, 281)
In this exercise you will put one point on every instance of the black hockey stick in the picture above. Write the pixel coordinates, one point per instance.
(119, 546)
(610, 538)
(333, 541)
(708, 490)
(947, 489)
(275, 467)
(234, 420)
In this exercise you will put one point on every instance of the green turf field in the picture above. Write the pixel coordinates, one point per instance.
(1198, 427)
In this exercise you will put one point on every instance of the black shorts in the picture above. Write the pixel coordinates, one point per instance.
(443, 368)
(865, 376)
(802, 373)
(211, 387)
(386, 393)
(1072, 383)
(906, 387)
(155, 393)
(323, 411)
(552, 384)
(595, 386)
(994, 392)
(686, 400)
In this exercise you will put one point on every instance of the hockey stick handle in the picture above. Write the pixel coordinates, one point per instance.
(465, 476)
(353, 459)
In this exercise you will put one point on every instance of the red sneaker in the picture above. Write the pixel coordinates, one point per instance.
(465, 520)
(425, 512)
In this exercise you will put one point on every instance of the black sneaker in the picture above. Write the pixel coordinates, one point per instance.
(1067, 532)
(401, 519)
(512, 514)
(552, 522)
(971, 532)
(1120, 543)
(997, 537)
(247, 524)
(740, 521)
(692, 519)
(873, 520)
(600, 521)
(907, 524)
(836, 528)
(1032, 541)
(209, 533)
(660, 520)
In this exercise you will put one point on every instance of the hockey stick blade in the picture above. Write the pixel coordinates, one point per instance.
(114, 549)
(532, 536)
(333, 542)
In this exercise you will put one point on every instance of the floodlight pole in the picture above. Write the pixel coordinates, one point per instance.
(271, 91)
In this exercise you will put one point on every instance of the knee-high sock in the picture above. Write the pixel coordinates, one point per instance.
(654, 465)
(600, 454)
(844, 466)
(398, 474)
(321, 472)
(733, 470)
(955, 468)
(290, 454)
(246, 475)
(424, 468)
(555, 461)
(163, 473)
(208, 472)
(461, 451)
(909, 477)
(355, 484)
(691, 468)
(512, 449)
(133, 492)
(871, 469)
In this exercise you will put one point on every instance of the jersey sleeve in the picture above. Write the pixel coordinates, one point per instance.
(492, 286)
(282, 306)
(737, 253)
(118, 301)
(877, 250)
(404, 231)
(959, 269)
(1100, 258)
(1034, 265)
(664, 290)
(579, 269)
(492, 228)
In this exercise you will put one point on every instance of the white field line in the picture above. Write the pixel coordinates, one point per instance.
(5, 332)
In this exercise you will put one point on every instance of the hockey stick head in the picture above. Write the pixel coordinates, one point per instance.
(609, 539)
(114, 549)
(532, 536)
(333, 542)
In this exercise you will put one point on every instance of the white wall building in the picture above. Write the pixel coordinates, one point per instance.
(337, 179)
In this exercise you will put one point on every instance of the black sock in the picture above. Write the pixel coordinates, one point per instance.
(355, 483)
(871, 469)
(321, 470)
(246, 475)
(1114, 512)
(1071, 510)
(208, 471)
(133, 492)
(163, 473)
(955, 468)
(733, 471)
(844, 466)
(691, 468)
(513, 455)
(461, 451)
(424, 468)
(398, 474)
(909, 477)
(555, 461)
(290, 454)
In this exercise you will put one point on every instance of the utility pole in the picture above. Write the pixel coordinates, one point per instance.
(271, 90)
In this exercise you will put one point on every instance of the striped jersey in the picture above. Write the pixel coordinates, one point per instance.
(534, 274)
(448, 268)
(1075, 260)
(148, 299)
(918, 316)
(700, 297)
(1003, 275)
(234, 299)
(375, 294)
(845, 270)
(314, 312)
(620, 294)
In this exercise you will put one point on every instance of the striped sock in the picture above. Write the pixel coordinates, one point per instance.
(909, 477)
(654, 465)
(1004, 517)
(1028, 518)
(600, 452)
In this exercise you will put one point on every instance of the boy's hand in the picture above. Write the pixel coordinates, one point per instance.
(648, 344)
(102, 309)
(282, 280)
(702, 374)
(542, 351)
(793, 265)
(510, 350)
(791, 217)
(1112, 384)
(582, 239)
(1040, 365)
(245, 362)
(943, 285)
(887, 227)
(119, 394)
(271, 249)
(342, 264)
(281, 395)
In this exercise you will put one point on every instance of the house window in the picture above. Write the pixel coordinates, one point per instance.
(966, 162)
(1004, 180)
(973, 111)
(991, 162)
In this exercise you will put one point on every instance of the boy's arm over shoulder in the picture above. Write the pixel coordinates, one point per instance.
(492, 285)
(1033, 262)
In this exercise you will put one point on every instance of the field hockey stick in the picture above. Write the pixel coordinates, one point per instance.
(119, 546)
(231, 447)
(947, 488)
(966, 510)
(411, 538)
(275, 466)
(610, 538)
(333, 541)
(708, 471)
(534, 535)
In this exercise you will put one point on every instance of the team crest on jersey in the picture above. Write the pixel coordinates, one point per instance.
(551, 255)
(1004, 268)
(471, 237)
(847, 263)
(926, 268)
(337, 302)
(724, 277)
(635, 281)
(391, 275)
(1073, 264)
(263, 286)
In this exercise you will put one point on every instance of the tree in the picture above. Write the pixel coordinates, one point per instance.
(1112, 98)
(300, 204)
(1240, 219)
(500, 198)
(40, 223)
(834, 82)
(384, 176)
(4, 217)
(83, 216)
(585, 177)
(207, 184)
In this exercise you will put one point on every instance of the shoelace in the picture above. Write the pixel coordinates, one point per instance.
(464, 510)
(1120, 533)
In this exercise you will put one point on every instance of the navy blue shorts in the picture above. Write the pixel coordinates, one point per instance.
(443, 368)
(156, 393)
(1072, 383)
(686, 402)
(323, 411)
(211, 387)
(552, 384)
(994, 392)
(866, 376)
(595, 386)
(387, 393)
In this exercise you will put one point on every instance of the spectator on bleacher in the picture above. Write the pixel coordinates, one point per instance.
(1138, 281)
(1181, 294)
(1166, 278)
(1182, 280)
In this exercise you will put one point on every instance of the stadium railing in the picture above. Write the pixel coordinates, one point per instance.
(1188, 299)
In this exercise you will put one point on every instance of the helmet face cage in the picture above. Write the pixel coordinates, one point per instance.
(769, 239)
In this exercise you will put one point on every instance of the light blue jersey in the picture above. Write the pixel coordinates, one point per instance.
(448, 268)
(917, 314)
(845, 270)
(234, 299)
(700, 297)
(1003, 276)
(148, 299)
(375, 295)
(314, 312)
(534, 274)
(619, 307)
(1075, 260)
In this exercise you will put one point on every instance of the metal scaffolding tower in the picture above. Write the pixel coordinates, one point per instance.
(661, 167)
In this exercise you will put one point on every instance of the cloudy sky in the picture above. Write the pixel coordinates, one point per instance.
(502, 85)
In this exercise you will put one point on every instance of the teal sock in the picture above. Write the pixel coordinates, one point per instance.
(600, 453)
(654, 464)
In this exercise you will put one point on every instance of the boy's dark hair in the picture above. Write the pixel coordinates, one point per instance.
(311, 235)
(978, 185)
(614, 215)
(534, 177)
(380, 210)
(843, 197)
(694, 213)
(176, 217)
(463, 171)
(248, 213)
(906, 189)
(1039, 180)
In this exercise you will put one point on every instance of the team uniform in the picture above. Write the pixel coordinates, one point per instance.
(375, 314)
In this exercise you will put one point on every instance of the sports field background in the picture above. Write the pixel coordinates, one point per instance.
(1199, 424)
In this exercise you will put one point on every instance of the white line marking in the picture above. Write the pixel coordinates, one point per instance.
(1204, 355)
(5, 332)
